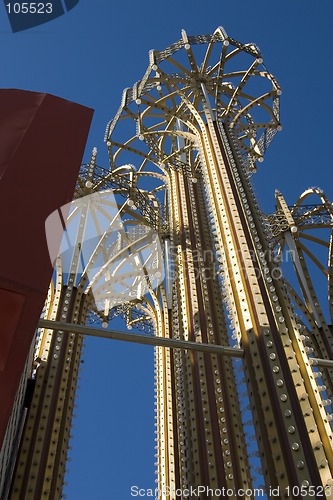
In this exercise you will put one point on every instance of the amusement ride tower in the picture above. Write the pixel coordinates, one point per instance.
(243, 356)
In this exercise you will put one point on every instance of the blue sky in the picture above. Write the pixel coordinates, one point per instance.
(89, 56)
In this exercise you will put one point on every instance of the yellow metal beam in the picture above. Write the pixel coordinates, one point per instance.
(141, 338)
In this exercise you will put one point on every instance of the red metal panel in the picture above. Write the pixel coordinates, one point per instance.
(11, 305)
(42, 139)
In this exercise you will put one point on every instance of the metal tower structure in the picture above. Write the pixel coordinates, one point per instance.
(244, 384)
(202, 117)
